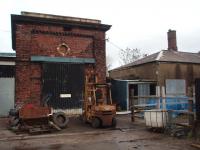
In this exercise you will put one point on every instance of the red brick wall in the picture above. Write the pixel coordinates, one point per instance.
(43, 40)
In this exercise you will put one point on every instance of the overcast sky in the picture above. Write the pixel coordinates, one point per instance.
(141, 24)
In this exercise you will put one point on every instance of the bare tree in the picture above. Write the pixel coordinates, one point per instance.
(129, 55)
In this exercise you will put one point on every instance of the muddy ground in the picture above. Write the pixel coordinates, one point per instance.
(79, 136)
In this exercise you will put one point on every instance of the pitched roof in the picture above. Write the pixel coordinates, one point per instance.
(166, 56)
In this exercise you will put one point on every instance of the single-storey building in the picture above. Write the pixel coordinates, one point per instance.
(7, 82)
(171, 69)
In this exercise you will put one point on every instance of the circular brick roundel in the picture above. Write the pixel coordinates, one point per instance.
(63, 49)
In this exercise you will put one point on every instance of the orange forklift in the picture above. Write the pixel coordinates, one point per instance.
(98, 109)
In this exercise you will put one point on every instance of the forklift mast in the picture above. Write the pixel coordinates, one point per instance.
(98, 108)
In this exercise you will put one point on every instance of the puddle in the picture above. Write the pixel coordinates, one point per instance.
(25, 148)
(50, 147)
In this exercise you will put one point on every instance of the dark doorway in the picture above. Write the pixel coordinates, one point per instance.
(197, 97)
(64, 84)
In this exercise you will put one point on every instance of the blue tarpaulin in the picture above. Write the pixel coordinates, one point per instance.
(172, 103)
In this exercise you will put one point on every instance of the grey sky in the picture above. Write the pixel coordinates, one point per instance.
(139, 24)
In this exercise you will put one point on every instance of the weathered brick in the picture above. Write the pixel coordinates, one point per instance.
(84, 43)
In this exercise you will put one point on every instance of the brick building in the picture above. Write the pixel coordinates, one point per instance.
(53, 53)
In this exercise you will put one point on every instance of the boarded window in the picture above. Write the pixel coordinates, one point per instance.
(175, 87)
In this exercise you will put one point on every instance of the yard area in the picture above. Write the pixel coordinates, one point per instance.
(126, 135)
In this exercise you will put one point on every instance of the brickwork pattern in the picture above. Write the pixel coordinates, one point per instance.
(43, 40)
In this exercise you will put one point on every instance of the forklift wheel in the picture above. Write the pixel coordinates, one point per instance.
(114, 122)
(60, 119)
(96, 123)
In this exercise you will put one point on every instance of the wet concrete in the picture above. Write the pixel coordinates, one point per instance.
(127, 136)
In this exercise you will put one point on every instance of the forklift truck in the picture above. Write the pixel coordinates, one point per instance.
(98, 109)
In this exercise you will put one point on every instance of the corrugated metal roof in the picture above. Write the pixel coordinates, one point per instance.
(166, 56)
(7, 54)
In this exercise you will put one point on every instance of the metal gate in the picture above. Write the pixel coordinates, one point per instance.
(64, 84)
(7, 92)
(7, 89)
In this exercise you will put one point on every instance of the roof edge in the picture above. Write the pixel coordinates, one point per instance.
(125, 67)
(60, 17)
(52, 21)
